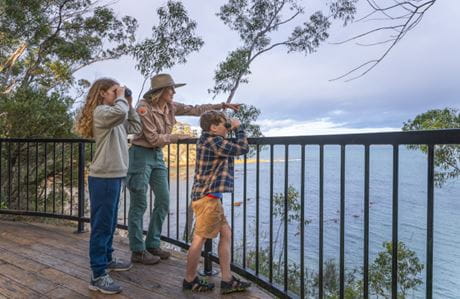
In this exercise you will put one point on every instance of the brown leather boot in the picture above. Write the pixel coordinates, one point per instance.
(144, 257)
(159, 252)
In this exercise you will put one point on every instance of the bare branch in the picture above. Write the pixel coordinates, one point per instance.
(28, 76)
(376, 44)
(367, 33)
(354, 70)
(289, 19)
(411, 20)
(366, 16)
(268, 49)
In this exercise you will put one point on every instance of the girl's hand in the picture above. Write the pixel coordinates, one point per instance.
(120, 92)
(234, 107)
(130, 101)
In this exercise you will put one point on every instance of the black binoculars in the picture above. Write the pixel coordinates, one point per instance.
(128, 92)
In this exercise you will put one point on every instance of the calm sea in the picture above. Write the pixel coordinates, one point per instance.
(412, 209)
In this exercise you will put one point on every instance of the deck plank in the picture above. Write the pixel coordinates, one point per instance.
(11, 289)
(42, 260)
(29, 279)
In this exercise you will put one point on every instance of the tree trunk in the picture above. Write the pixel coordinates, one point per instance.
(12, 59)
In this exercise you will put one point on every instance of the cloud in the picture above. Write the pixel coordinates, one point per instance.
(324, 126)
(292, 127)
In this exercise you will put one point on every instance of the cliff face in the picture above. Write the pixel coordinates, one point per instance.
(181, 128)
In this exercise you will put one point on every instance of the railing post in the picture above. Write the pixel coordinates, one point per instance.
(207, 270)
(81, 187)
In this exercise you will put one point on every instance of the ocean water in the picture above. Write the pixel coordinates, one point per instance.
(412, 204)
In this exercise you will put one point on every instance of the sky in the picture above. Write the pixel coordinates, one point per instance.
(294, 91)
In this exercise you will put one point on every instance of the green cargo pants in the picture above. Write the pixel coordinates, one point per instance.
(146, 166)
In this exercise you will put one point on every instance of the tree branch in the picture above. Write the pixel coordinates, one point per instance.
(413, 19)
(28, 76)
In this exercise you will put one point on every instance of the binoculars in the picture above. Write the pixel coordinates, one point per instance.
(128, 92)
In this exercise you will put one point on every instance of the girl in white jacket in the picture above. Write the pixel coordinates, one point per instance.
(107, 116)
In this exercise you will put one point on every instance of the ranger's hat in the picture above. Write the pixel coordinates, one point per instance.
(160, 81)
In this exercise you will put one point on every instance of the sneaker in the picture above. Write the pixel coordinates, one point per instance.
(234, 285)
(105, 285)
(159, 252)
(144, 257)
(197, 285)
(119, 265)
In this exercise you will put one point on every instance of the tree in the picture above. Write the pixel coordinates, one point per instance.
(256, 20)
(33, 113)
(399, 17)
(42, 45)
(248, 114)
(173, 39)
(409, 268)
(45, 42)
(447, 157)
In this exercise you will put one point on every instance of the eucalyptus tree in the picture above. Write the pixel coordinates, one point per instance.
(257, 20)
(447, 157)
(172, 40)
(43, 43)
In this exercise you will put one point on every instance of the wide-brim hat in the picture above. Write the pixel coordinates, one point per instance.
(161, 81)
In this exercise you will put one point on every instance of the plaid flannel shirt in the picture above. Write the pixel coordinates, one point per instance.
(214, 167)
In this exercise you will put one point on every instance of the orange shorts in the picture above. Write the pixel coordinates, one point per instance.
(209, 217)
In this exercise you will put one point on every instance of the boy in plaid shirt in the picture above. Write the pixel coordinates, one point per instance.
(213, 177)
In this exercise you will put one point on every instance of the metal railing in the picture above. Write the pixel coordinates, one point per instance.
(46, 177)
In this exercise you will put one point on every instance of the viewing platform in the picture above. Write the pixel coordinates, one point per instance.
(311, 217)
(50, 261)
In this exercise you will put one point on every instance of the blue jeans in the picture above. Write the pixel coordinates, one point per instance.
(104, 195)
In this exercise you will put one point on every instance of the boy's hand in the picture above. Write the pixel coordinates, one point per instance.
(235, 123)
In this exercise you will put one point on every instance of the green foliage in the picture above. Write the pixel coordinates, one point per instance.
(331, 279)
(447, 118)
(173, 39)
(256, 20)
(294, 207)
(447, 157)
(247, 115)
(32, 112)
(45, 42)
(293, 269)
(409, 268)
(235, 66)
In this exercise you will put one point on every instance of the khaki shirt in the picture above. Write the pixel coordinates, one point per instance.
(157, 125)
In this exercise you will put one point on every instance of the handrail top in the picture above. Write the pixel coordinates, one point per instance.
(47, 139)
(427, 137)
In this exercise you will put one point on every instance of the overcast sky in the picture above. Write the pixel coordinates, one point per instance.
(294, 91)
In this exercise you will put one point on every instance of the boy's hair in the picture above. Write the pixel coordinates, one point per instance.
(84, 123)
(211, 117)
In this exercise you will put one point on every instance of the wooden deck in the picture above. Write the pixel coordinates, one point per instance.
(46, 261)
